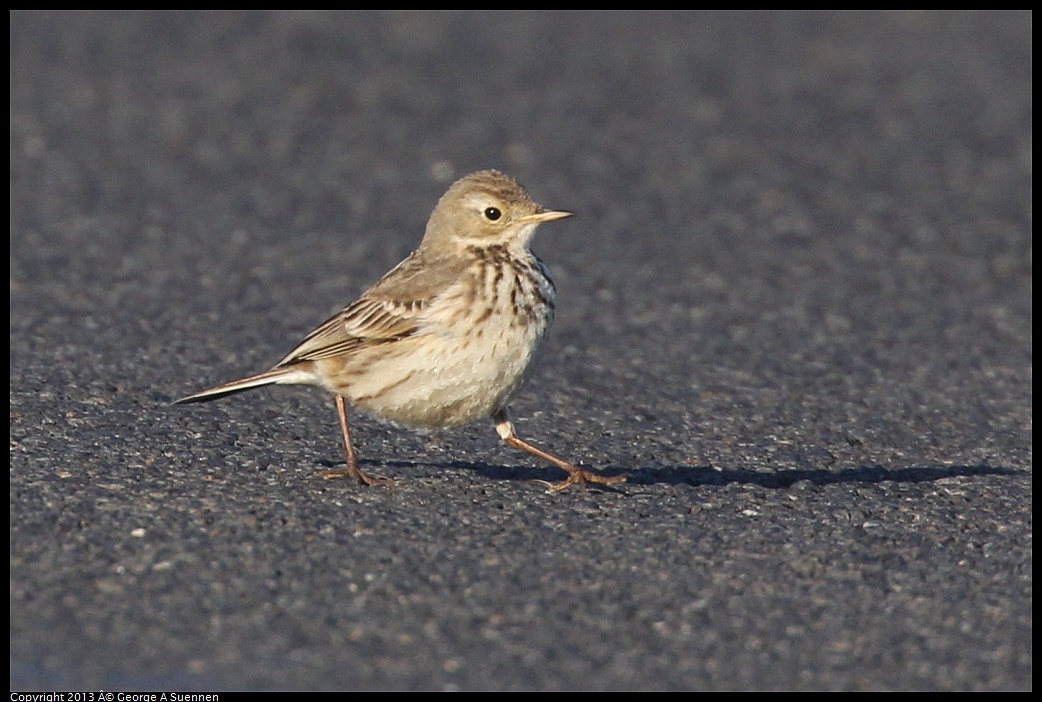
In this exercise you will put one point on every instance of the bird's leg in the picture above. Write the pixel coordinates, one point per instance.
(576, 475)
(352, 469)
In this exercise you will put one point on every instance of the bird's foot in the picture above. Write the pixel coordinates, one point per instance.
(357, 473)
(582, 478)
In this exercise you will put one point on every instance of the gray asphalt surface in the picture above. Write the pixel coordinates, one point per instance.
(795, 307)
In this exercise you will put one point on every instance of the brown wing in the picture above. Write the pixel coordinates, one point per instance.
(392, 309)
(363, 322)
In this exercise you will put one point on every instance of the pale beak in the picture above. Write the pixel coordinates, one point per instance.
(545, 216)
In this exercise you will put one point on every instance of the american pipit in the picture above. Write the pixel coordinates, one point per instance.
(445, 337)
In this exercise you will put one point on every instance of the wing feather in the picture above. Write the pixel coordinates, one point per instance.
(390, 310)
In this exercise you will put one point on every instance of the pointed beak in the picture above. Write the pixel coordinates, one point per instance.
(545, 216)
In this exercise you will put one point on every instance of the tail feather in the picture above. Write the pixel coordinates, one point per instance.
(282, 376)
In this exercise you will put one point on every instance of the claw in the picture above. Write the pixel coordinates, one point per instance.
(584, 478)
(356, 473)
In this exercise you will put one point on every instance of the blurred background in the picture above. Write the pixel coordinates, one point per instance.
(794, 305)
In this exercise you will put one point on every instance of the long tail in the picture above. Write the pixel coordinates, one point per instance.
(279, 376)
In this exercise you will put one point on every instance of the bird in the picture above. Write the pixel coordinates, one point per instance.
(445, 338)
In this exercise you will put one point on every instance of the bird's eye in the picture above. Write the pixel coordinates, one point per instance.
(492, 213)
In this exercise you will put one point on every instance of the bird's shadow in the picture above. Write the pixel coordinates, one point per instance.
(705, 475)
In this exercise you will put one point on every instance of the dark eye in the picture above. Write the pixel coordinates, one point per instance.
(492, 213)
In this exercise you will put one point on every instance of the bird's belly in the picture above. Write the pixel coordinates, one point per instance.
(443, 380)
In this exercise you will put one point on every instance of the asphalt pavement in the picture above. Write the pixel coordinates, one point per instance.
(794, 307)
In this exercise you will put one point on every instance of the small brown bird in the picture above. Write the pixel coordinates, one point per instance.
(445, 337)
